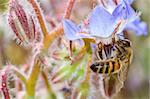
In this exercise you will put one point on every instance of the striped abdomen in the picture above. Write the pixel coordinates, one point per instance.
(105, 67)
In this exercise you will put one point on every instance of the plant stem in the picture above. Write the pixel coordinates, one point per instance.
(4, 85)
(58, 31)
(48, 86)
(31, 82)
(69, 9)
(19, 75)
(40, 16)
(88, 70)
(48, 39)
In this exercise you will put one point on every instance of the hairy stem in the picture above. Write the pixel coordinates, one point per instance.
(48, 86)
(31, 82)
(19, 75)
(4, 86)
(88, 70)
(39, 16)
(52, 36)
(69, 9)
(58, 31)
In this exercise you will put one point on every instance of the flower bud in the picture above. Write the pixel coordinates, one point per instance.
(23, 24)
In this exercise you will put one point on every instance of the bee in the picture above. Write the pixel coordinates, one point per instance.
(124, 54)
(112, 57)
(106, 67)
(123, 49)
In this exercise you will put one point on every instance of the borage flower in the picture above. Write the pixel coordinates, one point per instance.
(102, 23)
(73, 31)
(139, 27)
(110, 5)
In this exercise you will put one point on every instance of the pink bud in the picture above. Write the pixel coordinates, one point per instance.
(13, 26)
(17, 14)
(4, 85)
(21, 15)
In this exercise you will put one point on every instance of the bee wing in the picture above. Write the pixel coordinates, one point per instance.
(125, 66)
(111, 85)
(123, 72)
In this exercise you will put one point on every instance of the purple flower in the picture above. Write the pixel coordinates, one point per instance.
(130, 1)
(73, 31)
(102, 23)
(124, 10)
(140, 28)
(110, 5)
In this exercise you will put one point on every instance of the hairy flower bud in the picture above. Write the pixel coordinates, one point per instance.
(23, 24)
(4, 86)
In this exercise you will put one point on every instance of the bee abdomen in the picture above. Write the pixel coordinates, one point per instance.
(105, 67)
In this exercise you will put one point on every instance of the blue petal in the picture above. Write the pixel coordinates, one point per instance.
(130, 1)
(109, 5)
(101, 22)
(72, 31)
(125, 11)
(140, 28)
(93, 46)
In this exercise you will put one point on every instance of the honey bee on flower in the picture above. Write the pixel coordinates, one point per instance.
(106, 24)
(65, 60)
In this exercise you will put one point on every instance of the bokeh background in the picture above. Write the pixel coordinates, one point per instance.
(137, 84)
